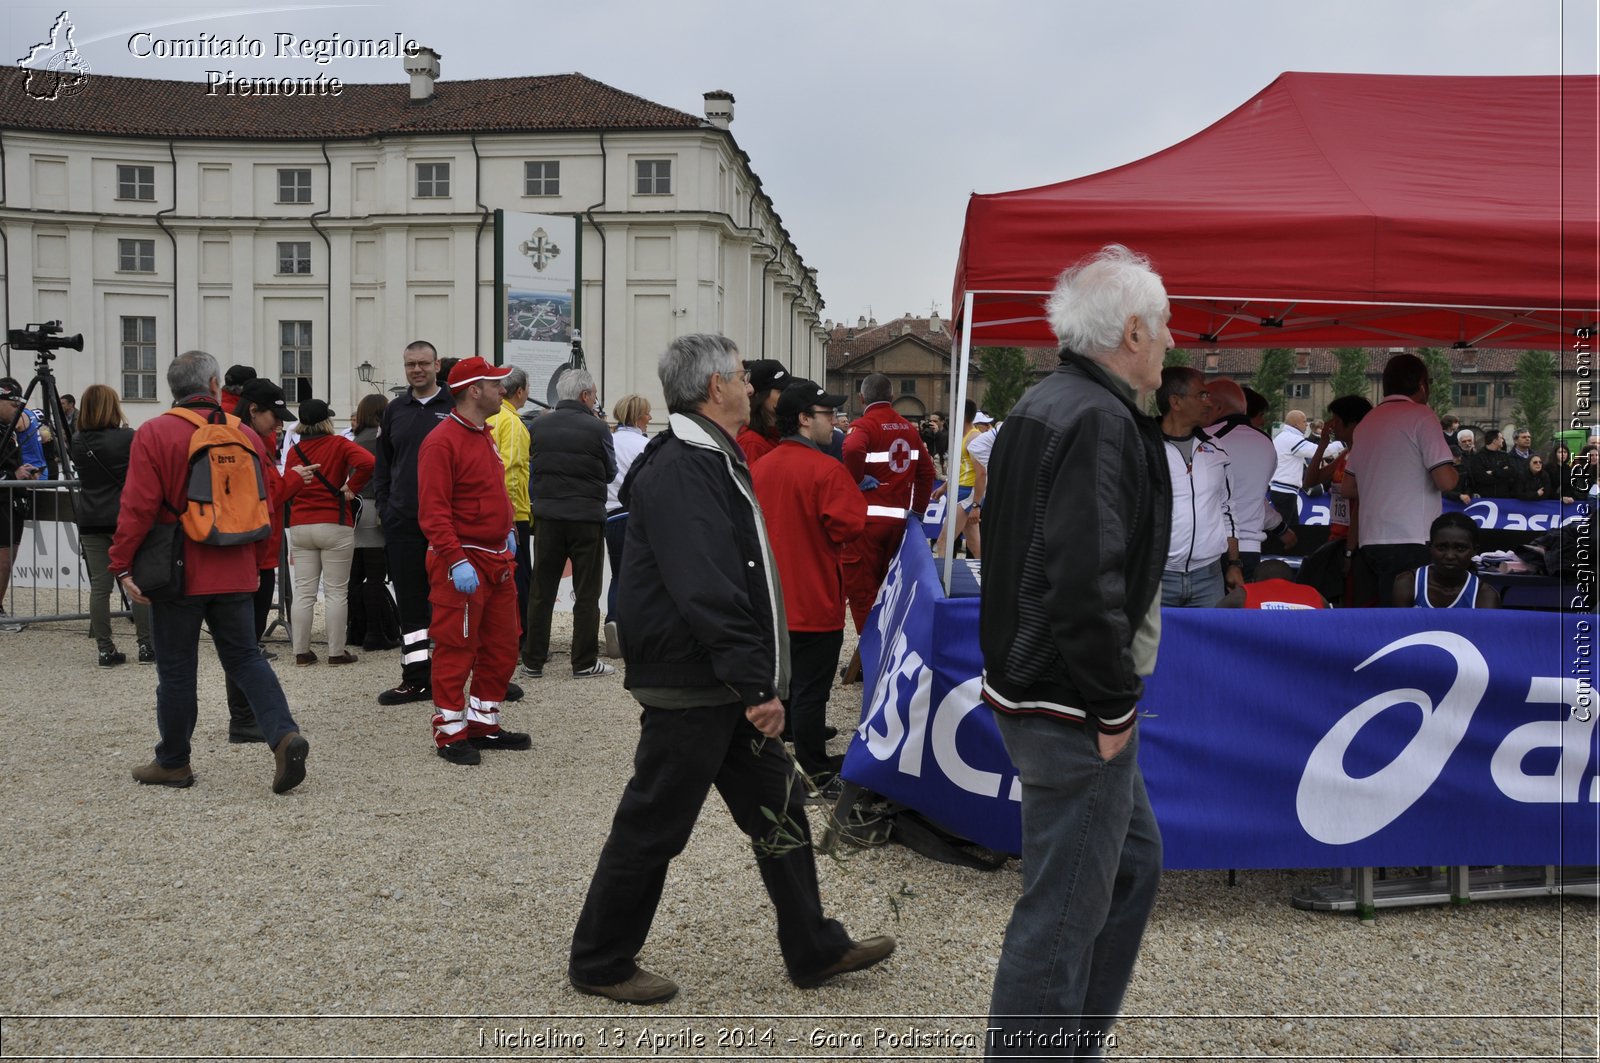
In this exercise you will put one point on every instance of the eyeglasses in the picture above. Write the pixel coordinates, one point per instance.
(421, 365)
(828, 412)
(738, 376)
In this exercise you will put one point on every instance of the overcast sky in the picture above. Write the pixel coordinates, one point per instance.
(869, 122)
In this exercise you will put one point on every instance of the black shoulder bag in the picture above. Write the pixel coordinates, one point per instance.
(353, 505)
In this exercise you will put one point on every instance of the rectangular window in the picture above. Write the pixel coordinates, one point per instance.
(139, 358)
(294, 186)
(541, 178)
(1298, 391)
(136, 256)
(294, 256)
(294, 353)
(653, 177)
(433, 180)
(136, 182)
(1473, 394)
(908, 387)
(1505, 388)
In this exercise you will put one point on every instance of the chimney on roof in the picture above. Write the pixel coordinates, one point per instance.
(933, 322)
(872, 322)
(424, 70)
(719, 108)
(861, 322)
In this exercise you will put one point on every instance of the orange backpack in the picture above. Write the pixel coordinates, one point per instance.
(227, 492)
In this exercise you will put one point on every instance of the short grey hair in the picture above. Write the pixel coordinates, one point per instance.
(1094, 298)
(573, 382)
(687, 365)
(191, 373)
(877, 388)
(515, 380)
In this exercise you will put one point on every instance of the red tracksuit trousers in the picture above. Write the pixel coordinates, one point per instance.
(866, 562)
(473, 635)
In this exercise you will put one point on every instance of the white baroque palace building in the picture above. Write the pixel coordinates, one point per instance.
(309, 235)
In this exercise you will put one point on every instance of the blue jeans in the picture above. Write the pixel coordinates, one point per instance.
(1198, 588)
(175, 636)
(1091, 862)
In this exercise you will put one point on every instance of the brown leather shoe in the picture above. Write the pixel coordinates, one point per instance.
(858, 957)
(344, 658)
(290, 755)
(305, 658)
(153, 774)
(642, 988)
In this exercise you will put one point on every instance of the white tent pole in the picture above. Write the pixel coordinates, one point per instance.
(952, 465)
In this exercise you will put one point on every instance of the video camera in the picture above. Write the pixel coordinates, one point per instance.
(45, 339)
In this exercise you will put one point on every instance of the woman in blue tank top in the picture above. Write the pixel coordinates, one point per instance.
(1448, 581)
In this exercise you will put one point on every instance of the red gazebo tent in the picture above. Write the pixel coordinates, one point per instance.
(1329, 209)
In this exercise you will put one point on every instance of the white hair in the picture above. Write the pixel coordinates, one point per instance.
(1465, 433)
(573, 383)
(1094, 299)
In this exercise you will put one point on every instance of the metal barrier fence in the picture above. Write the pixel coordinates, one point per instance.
(49, 579)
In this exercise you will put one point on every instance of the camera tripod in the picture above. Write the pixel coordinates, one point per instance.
(55, 417)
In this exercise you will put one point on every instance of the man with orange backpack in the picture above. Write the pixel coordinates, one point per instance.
(200, 469)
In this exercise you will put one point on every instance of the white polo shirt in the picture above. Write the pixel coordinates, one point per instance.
(1399, 447)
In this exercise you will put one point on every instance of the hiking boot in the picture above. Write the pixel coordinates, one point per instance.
(344, 658)
(242, 726)
(405, 693)
(153, 774)
(290, 755)
(858, 957)
(502, 739)
(112, 658)
(598, 668)
(462, 752)
(642, 988)
(147, 653)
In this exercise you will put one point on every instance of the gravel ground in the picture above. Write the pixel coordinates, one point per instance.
(398, 906)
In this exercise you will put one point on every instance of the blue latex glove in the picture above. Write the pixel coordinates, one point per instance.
(511, 542)
(464, 576)
(868, 483)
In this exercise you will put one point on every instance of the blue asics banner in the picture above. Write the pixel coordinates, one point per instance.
(1499, 514)
(1303, 739)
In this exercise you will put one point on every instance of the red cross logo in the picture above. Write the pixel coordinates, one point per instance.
(899, 455)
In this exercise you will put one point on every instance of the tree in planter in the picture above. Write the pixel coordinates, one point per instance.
(1535, 393)
(1008, 373)
(1272, 378)
(1350, 378)
(1441, 383)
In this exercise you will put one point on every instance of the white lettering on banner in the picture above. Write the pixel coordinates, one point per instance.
(1570, 735)
(1337, 809)
(952, 710)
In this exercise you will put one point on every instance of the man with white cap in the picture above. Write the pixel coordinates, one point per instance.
(466, 514)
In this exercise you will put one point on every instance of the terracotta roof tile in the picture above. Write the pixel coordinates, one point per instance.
(124, 106)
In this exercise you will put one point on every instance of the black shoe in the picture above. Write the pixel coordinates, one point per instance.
(147, 654)
(461, 753)
(828, 734)
(266, 653)
(529, 671)
(502, 739)
(242, 726)
(112, 658)
(405, 694)
(513, 692)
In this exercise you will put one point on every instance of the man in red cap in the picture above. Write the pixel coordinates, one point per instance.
(887, 456)
(465, 513)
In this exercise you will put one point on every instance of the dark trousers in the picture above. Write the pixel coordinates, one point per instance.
(683, 753)
(175, 636)
(616, 534)
(554, 541)
(262, 605)
(407, 551)
(523, 574)
(1288, 506)
(1388, 560)
(372, 620)
(813, 662)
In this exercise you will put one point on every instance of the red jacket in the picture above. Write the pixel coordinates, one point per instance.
(270, 550)
(344, 463)
(461, 491)
(158, 470)
(811, 508)
(755, 445)
(881, 444)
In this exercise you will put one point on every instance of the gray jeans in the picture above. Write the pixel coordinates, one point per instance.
(96, 551)
(1091, 862)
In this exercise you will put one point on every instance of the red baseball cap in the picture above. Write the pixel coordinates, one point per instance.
(471, 370)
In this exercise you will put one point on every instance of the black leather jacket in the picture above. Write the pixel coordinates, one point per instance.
(100, 456)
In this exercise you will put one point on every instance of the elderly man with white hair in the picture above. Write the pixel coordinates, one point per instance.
(571, 460)
(1078, 523)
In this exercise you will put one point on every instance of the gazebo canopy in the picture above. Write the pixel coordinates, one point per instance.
(1331, 209)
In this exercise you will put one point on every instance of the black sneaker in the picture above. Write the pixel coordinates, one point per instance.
(147, 653)
(529, 671)
(502, 739)
(513, 692)
(405, 694)
(461, 753)
(112, 658)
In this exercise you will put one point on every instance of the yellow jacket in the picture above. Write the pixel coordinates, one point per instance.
(511, 439)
